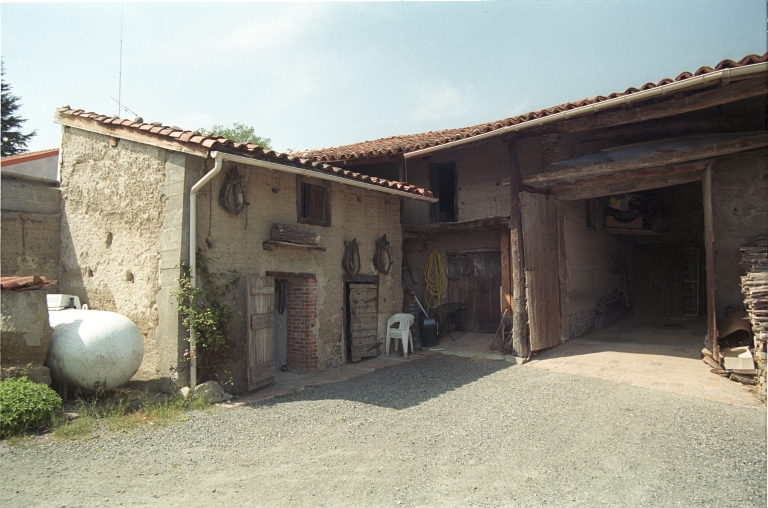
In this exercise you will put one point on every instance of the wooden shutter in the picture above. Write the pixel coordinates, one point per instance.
(540, 243)
(363, 320)
(261, 331)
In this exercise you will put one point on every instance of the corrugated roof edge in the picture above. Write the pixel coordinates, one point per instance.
(201, 144)
(398, 145)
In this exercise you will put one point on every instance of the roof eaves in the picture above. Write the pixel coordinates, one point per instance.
(178, 139)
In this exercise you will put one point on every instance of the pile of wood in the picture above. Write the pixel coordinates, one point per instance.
(754, 285)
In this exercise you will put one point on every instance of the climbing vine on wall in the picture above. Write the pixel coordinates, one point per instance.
(203, 309)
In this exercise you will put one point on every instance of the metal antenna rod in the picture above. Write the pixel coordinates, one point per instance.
(120, 74)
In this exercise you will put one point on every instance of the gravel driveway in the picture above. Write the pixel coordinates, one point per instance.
(441, 431)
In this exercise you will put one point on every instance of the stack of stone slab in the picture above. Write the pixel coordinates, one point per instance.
(754, 285)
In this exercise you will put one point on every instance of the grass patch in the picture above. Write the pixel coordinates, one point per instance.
(78, 429)
(123, 411)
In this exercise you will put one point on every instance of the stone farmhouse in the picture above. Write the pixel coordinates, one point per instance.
(140, 199)
(558, 221)
(638, 199)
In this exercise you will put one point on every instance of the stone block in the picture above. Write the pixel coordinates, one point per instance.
(26, 333)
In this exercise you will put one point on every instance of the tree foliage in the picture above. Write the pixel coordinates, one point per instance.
(14, 141)
(242, 134)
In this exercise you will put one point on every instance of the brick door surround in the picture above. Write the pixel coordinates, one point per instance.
(301, 303)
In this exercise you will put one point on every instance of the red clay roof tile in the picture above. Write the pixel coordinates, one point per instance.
(396, 145)
(155, 131)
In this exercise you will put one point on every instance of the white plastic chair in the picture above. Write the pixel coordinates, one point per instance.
(402, 331)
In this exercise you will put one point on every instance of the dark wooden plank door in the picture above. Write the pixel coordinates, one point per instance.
(541, 252)
(261, 331)
(363, 321)
(486, 297)
(479, 290)
(462, 289)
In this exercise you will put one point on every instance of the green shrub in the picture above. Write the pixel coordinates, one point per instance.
(24, 405)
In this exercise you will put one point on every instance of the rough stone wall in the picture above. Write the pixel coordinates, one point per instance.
(740, 210)
(479, 172)
(235, 243)
(113, 213)
(31, 221)
(592, 263)
(25, 334)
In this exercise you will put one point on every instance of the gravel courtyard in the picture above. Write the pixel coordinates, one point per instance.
(444, 431)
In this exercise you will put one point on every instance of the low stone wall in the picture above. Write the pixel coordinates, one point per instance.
(25, 335)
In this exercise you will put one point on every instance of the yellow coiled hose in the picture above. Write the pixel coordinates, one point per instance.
(436, 281)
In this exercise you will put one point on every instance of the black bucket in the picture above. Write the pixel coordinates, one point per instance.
(428, 332)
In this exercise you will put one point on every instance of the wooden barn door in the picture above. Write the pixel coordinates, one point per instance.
(542, 284)
(261, 331)
(363, 321)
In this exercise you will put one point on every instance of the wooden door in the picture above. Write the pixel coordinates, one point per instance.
(261, 331)
(541, 253)
(478, 290)
(486, 295)
(363, 321)
(461, 290)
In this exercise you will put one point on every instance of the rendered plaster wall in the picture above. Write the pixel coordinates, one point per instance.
(740, 210)
(479, 172)
(593, 265)
(114, 210)
(31, 221)
(236, 243)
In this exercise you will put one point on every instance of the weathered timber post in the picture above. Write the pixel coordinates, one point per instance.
(520, 344)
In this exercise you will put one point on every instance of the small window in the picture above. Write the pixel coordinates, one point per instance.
(313, 202)
(442, 182)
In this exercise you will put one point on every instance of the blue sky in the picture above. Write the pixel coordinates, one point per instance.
(312, 75)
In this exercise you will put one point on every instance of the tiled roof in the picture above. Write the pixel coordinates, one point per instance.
(397, 145)
(206, 142)
(28, 156)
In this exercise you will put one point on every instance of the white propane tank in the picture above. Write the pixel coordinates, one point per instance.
(93, 350)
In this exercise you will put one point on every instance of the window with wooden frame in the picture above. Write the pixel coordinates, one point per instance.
(313, 202)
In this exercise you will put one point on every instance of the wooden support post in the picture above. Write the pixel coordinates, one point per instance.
(506, 274)
(709, 249)
(520, 344)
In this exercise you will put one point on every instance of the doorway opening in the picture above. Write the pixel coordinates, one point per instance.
(442, 181)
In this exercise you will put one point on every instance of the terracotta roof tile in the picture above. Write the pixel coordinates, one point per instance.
(396, 145)
(157, 131)
(29, 156)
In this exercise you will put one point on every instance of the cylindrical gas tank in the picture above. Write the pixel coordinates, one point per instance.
(93, 350)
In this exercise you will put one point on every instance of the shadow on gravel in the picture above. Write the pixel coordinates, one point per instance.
(406, 385)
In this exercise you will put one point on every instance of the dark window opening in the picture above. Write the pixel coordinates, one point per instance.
(442, 178)
(313, 202)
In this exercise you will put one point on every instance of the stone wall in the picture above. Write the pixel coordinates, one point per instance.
(31, 221)
(479, 171)
(594, 259)
(114, 205)
(740, 210)
(236, 243)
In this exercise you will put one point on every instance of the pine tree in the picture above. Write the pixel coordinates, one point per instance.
(14, 141)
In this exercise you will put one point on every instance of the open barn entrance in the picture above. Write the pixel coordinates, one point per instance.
(638, 256)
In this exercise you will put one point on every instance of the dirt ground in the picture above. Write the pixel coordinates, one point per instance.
(440, 431)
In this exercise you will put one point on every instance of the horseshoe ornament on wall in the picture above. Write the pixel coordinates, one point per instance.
(351, 260)
(382, 258)
(232, 193)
